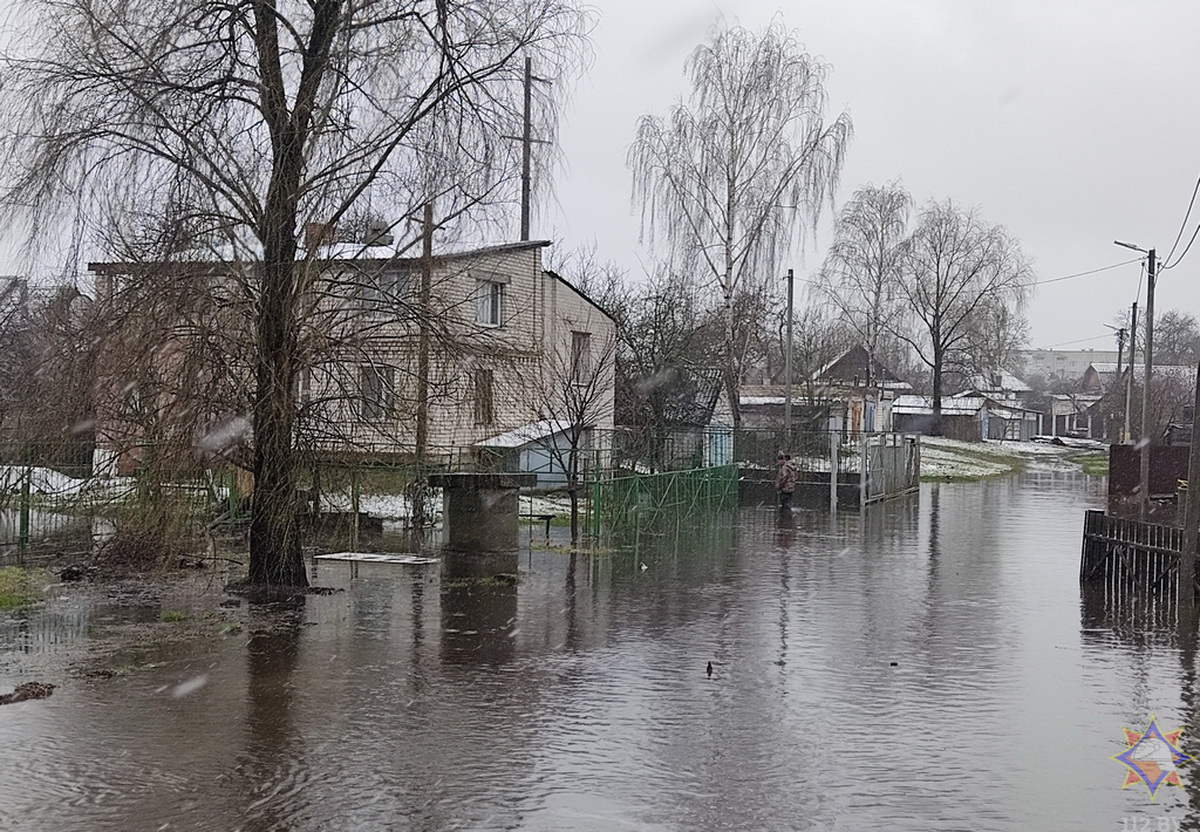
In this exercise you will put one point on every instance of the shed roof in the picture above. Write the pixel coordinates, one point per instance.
(526, 434)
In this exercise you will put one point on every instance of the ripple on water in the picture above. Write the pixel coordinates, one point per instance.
(916, 666)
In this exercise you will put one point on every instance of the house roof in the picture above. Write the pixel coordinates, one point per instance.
(526, 434)
(333, 253)
(581, 293)
(951, 406)
(1002, 381)
(1106, 371)
(853, 364)
(960, 405)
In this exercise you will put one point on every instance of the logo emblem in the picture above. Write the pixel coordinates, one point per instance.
(1152, 757)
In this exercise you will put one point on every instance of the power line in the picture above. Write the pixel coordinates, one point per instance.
(1082, 274)
(1182, 226)
(1079, 341)
(1185, 251)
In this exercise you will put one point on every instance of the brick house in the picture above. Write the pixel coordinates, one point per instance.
(393, 356)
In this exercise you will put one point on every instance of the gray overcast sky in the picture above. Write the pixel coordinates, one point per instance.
(1071, 122)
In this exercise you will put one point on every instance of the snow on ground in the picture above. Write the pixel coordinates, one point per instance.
(46, 482)
(41, 480)
(395, 508)
(941, 457)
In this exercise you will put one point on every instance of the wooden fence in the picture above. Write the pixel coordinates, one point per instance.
(1128, 555)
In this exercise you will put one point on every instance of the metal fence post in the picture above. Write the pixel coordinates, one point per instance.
(833, 470)
(354, 508)
(863, 471)
(23, 529)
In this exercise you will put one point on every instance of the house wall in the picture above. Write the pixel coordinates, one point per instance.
(1066, 365)
(528, 355)
(347, 330)
(567, 312)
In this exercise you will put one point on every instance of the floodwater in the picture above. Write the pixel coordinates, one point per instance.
(926, 665)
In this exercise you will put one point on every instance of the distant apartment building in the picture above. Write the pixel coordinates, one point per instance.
(1064, 365)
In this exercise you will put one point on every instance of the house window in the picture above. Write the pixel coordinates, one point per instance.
(383, 293)
(485, 409)
(378, 388)
(489, 303)
(303, 385)
(581, 355)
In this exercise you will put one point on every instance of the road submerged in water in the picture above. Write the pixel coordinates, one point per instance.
(925, 664)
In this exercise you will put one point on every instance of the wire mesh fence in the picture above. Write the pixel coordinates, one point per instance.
(688, 497)
(620, 475)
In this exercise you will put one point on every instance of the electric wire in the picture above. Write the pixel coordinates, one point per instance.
(1079, 341)
(1082, 274)
(1183, 254)
(1182, 226)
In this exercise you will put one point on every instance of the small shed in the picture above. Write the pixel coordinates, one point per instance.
(964, 417)
(542, 448)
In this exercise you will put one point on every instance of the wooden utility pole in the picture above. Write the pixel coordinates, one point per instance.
(527, 148)
(527, 142)
(1145, 438)
(422, 432)
(1129, 378)
(1120, 355)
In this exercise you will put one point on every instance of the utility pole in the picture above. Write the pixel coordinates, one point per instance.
(1129, 369)
(1146, 385)
(1144, 435)
(1120, 378)
(526, 149)
(787, 367)
(422, 437)
(527, 142)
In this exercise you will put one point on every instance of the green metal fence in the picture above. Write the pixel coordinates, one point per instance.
(684, 497)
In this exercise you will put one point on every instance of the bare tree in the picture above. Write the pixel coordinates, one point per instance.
(728, 176)
(816, 341)
(246, 121)
(860, 274)
(956, 268)
(1176, 337)
(997, 334)
(576, 392)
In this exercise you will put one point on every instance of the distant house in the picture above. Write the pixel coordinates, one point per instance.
(488, 344)
(763, 407)
(1104, 390)
(1001, 386)
(857, 368)
(1075, 414)
(966, 417)
(1063, 365)
(854, 393)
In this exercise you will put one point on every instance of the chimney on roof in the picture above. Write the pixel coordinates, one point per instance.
(378, 233)
(319, 234)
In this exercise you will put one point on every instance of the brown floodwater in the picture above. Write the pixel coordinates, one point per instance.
(926, 665)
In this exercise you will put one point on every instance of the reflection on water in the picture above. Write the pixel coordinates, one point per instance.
(927, 664)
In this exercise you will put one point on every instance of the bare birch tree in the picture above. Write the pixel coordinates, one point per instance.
(577, 395)
(728, 175)
(955, 268)
(247, 120)
(861, 271)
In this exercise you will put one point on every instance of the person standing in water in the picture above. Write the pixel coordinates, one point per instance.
(785, 479)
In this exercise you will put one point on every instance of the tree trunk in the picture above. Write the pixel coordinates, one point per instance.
(573, 489)
(275, 556)
(935, 429)
(730, 371)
